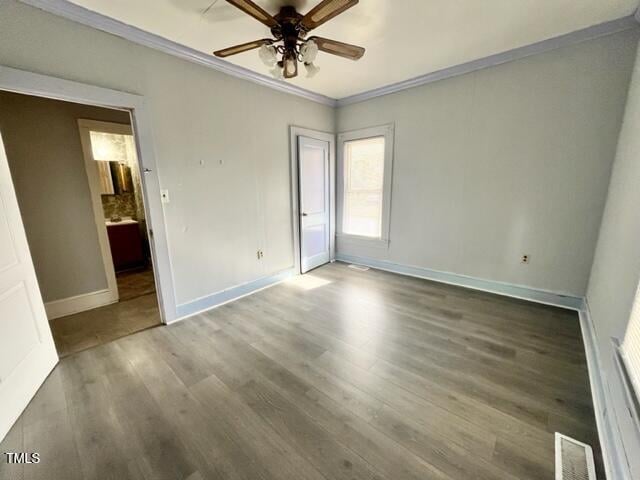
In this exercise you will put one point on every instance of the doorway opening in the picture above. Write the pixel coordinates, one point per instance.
(114, 176)
(77, 178)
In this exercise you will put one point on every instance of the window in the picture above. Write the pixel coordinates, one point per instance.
(364, 183)
(631, 345)
(363, 187)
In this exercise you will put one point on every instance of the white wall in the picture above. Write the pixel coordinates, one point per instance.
(616, 267)
(488, 166)
(42, 142)
(502, 162)
(221, 211)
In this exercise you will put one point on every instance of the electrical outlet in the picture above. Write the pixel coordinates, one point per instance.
(260, 254)
(525, 258)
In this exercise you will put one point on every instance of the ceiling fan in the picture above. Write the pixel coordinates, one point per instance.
(289, 29)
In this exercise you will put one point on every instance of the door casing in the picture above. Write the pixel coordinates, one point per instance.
(86, 126)
(294, 133)
(28, 83)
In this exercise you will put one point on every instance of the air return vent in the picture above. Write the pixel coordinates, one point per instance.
(360, 268)
(574, 459)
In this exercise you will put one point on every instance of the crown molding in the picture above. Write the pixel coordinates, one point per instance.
(76, 13)
(79, 14)
(578, 36)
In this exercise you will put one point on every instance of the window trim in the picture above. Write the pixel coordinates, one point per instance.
(628, 349)
(386, 131)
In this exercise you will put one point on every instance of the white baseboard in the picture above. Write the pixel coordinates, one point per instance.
(214, 300)
(608, 432)
(515, 291)
(79, 303)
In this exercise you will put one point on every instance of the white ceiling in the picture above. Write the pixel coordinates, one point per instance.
(403, 38)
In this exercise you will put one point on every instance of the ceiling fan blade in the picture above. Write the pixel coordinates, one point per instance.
(346, 50)
(250, 8)
(325, 11)
(226, 52)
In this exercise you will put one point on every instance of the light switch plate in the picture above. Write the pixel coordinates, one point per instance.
(164, 195)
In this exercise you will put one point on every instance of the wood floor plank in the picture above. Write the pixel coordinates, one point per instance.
(214, 446)
(266, 446)
(59, 460)
(340, 374)
(13, 442)
(151, 439)
(339, 396)
(369, 399)
(99, 437)
(345, 413)
(324, 451)
(393, 387)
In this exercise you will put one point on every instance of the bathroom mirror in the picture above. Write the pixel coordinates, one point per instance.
(115, 178)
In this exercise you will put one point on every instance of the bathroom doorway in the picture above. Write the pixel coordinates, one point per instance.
(114, 176)
(81, 197)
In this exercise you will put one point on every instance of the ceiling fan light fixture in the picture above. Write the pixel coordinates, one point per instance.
(312, 69)
(309, 52)
(276, 72)
(268, 54)
(289, 41)
(290, 66)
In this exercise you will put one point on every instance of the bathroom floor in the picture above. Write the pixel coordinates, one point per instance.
(135, 283)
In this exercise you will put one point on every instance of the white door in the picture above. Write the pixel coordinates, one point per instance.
(27, 351)
(313, 168)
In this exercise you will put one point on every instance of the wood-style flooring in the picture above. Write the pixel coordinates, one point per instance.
(75, 333)
(338, 374)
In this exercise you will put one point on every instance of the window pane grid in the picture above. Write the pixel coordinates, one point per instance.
(363, 187)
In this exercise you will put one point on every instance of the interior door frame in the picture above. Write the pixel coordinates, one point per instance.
(28, 83)
(296, 132)
(85, 126)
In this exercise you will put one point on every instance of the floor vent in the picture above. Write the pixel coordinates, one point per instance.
(574, 459)
(360, 268)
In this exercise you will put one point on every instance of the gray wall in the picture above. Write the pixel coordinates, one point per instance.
(221, 144)
(505, 161)
(42, 142)
(616, 267)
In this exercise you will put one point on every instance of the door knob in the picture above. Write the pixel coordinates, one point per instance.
(304, 214)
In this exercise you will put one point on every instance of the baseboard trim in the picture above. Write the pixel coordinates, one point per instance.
(79, 303)
(608, 433)
(232, 294)
(515, 291)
